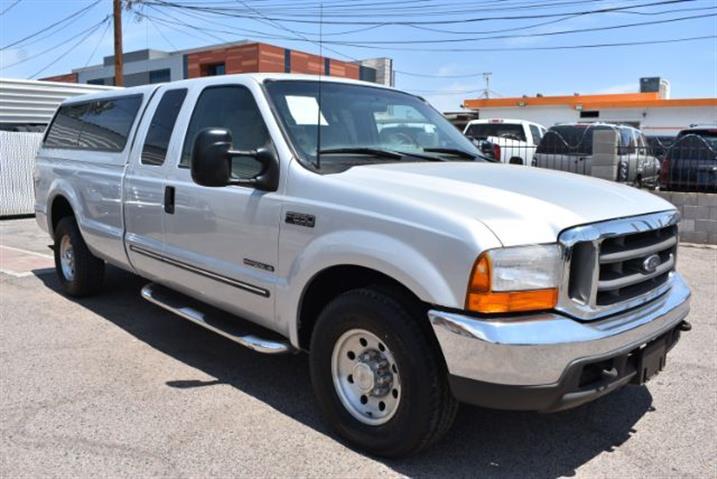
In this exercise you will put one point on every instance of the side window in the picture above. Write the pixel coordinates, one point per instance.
(65, 129)
(536, 134)
(231, 107)
(160, 130)
(105, 124)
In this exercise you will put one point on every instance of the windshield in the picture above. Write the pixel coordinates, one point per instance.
(501, 130)
(357, 122)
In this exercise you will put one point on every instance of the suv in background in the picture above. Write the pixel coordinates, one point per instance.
(569, 147)
(691, 162)
(513, 141)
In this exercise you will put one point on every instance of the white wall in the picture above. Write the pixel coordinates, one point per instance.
(17, 158)
(653, 121)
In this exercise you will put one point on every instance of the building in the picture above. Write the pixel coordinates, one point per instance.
(155, 66)
(652, 110)
(28, 105)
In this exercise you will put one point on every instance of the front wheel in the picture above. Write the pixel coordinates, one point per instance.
(79, 271)
(378, 376)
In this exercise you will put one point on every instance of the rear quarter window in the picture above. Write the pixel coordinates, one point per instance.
(98, 125)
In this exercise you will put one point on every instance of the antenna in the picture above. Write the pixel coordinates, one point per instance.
(321, 68)
(486, 77)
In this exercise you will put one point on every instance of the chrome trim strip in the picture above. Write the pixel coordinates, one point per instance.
(637, 252)
(207, 274)
(609, 285)
(536, 349)
(596, 233)
(253, 342)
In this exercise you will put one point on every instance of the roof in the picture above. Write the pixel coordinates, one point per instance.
(218, 80)
(591, 102)
(34, 101)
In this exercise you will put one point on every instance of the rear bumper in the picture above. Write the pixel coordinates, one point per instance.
(549, 361)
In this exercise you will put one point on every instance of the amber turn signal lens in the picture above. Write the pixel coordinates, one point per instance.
(481, 299)
(512, 301)
(480, 277)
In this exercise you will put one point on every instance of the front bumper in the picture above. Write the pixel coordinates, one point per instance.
(532, 362)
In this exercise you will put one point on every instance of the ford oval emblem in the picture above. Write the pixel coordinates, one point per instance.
(651, 263)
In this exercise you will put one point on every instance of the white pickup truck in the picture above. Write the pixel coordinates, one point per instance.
(514, 141)
(281, 212)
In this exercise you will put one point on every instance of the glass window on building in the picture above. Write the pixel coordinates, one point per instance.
(214, 70)
(160, 76)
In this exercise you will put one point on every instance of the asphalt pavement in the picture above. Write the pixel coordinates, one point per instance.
(113, 386)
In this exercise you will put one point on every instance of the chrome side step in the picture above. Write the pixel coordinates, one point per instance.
(238, 330)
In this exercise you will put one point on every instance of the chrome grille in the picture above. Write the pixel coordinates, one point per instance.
(619, 264)
(622, 273)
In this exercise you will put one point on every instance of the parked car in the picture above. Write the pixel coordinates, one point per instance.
(415, 277)
(514, 140)
(570, 147)
(691, 162)
(657, 146)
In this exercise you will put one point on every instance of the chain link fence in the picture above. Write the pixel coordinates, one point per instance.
(17, 158)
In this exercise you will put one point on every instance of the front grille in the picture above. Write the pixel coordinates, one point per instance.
(622, 275)
(617, 264)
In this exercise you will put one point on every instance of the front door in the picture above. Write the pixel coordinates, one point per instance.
(222, 242)
(145, 189)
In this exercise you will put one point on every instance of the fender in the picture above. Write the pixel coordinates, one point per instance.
(372, 250)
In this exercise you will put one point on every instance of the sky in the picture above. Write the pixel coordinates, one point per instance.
(690, 67)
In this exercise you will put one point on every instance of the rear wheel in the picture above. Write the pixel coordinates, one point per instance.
(378, 376)
(79, 271)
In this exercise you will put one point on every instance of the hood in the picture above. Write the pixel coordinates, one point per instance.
(519, 204)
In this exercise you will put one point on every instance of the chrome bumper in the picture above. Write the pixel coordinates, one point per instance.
(537, 349)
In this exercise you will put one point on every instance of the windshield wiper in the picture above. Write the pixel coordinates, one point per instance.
(452, 151)
(362, 151)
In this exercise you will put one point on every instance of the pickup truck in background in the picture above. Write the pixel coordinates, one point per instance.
(514, 140)
(353, 222)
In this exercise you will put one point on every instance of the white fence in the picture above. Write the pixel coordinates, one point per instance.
(17, 158)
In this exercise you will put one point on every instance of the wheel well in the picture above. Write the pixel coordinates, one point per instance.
(516, 160)
(331, 282)
(60, 209)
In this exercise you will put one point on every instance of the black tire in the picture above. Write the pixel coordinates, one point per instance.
(427, 408)
(89, 270)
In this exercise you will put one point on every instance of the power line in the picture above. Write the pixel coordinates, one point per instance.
(227, 12)
(44, 29)
(58, 45)
(10, 7)
(102, 37)
(528, 35)
(69, 49)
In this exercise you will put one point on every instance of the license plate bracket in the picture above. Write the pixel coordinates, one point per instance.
(652, 360)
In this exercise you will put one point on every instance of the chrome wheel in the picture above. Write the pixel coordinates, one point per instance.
(67, 258)
(365, 375)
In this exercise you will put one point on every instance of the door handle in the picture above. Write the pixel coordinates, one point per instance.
(169, 199)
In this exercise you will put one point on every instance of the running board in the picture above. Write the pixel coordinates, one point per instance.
(240, 331)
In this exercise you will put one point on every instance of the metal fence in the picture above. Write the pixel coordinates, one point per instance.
(17, 158)
(615, 153)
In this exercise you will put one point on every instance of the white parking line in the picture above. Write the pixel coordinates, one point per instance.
(34, 253)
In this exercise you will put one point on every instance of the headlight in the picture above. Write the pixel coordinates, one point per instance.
(523, 278)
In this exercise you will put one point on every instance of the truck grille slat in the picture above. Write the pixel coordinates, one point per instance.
(629, 280)
(618, 256)
(618, 264)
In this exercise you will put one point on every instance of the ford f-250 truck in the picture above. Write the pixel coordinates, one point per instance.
(270, 209)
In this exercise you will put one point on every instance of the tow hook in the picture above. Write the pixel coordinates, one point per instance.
(685, 326)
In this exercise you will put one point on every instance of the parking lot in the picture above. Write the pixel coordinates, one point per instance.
(115, 386)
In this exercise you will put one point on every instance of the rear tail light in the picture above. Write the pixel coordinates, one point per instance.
(496, 151)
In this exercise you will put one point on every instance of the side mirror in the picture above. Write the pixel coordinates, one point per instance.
(213, 158)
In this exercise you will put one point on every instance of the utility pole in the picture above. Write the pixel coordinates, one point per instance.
(117, 14)
(486, 77)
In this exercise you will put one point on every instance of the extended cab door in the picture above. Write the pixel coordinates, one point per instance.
(221, 243)
(145, 191)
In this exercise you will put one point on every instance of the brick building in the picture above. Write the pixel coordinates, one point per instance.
(154, 66)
